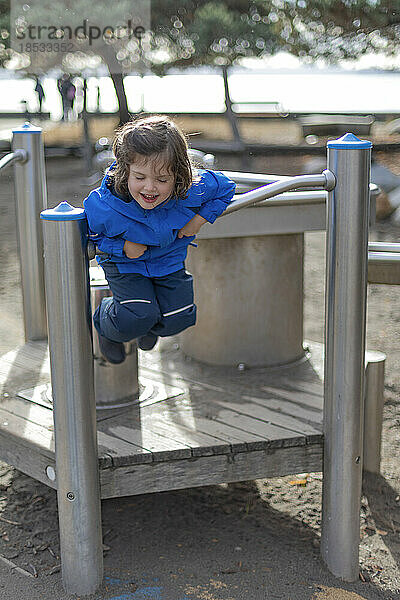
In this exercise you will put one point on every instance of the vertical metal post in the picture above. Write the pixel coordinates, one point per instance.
(346, 291)
(71, 359)
(31, 198)
(373, 415)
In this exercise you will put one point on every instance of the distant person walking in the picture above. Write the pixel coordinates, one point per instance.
(40, 93)
(67, 91)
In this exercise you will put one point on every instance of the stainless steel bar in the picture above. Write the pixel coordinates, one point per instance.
(254, 178)
(373, 415)
(292, 198)
(324, 180)
(375, 258)
(249, 181)
(386, 247)
(71, 360)
(31, 198)
(13, 157)
(346, 291)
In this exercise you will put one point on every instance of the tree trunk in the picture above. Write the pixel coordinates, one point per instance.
(233, 120)
(118, 81)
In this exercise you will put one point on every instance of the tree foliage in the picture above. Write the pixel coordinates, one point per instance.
(339, 29)
(220, 32)
(210, 32)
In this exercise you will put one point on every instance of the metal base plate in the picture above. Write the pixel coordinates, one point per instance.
(150, 392)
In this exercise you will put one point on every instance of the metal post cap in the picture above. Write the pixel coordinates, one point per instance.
(63, 212)
(27, 128)
(349, 141)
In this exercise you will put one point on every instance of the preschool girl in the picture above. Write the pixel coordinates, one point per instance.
(151, 204)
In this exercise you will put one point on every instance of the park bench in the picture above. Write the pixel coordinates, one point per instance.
(324, 125)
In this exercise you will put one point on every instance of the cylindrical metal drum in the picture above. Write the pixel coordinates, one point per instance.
(115, 385)
(249, 296)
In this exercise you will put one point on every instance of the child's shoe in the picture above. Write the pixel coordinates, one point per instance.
(113, 352)
(147, 342)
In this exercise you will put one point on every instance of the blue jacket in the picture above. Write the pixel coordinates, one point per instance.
(113, 219)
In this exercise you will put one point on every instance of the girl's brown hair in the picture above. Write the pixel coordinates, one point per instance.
(147, 137)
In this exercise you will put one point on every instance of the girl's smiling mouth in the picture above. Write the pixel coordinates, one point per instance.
(149, 198)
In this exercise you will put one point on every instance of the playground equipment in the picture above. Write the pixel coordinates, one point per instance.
(31, 198)
(202, 433)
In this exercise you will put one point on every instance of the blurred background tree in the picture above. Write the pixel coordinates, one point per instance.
(339, 29)
(220, 33)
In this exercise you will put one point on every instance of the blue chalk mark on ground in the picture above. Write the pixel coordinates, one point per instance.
(143, 594)
(146, 592)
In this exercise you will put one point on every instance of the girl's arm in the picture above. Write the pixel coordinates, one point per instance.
(114, 246)
(133, 249)
(192, 227)
(107, 233)
(214, 193)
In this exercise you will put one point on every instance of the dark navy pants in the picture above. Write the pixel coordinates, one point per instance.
(140, 305)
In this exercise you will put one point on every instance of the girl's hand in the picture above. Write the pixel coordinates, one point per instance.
(134, 250)
(192, 227)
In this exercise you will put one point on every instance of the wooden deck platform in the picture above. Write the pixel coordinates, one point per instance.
(213, 424)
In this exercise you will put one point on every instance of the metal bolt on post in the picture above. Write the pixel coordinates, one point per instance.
(31, 198)
(71, 359)
(349, 160)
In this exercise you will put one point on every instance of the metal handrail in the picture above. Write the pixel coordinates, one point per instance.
(384, 247)
(325, 180)
(383, 257)
(254, 178)
(12, 157)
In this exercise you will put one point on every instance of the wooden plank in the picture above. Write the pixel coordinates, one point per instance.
(238, 441)
(204, 416)
(243, 384)
(30, 459)
(27, 433)
(201, 443)
(161, 447)
(257, 419)
(264, 430)
(166, 420)
(289, 415)
(210, 470)
(186, 413)
(34, 413)
(292, 409)
(126, 452)
(32, 356)
(117, 449)
(306, 406)
(305, 399)
(315, 388)
(270, 419)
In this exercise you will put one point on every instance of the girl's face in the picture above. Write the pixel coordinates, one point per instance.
(150, 183)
